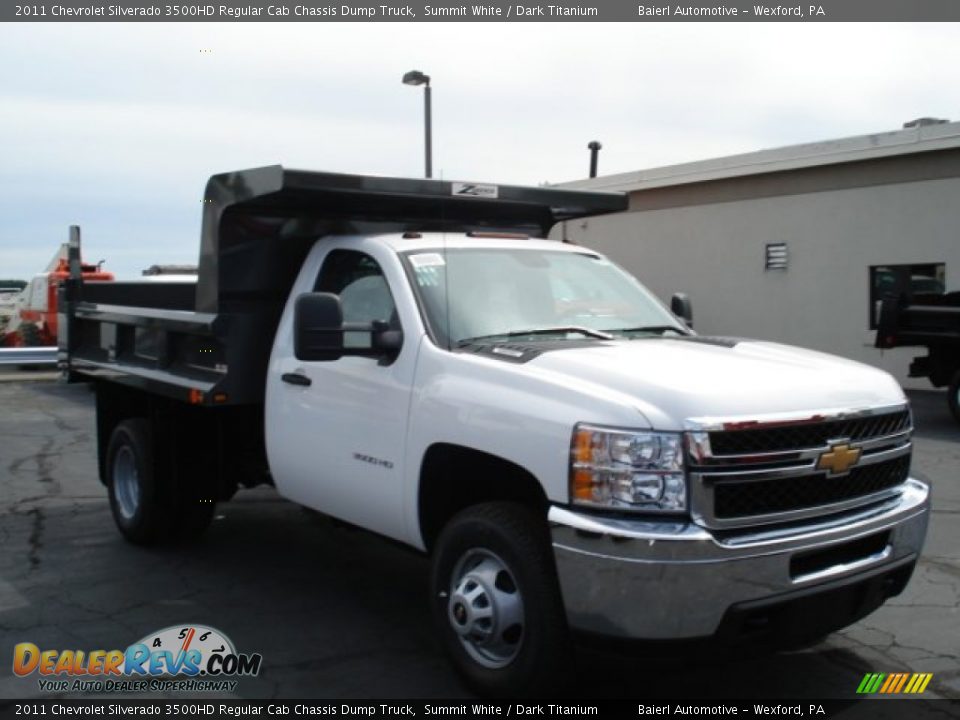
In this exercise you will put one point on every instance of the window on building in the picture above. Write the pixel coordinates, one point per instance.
(917, 279)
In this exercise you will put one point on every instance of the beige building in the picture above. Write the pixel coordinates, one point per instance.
(794, 244)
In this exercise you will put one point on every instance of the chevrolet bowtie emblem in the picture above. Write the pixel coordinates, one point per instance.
(839, 458)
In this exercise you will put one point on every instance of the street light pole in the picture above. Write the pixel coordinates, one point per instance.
(415, 77)
(428, 130)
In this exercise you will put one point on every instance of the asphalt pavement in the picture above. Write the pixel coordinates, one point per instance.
(339, 613)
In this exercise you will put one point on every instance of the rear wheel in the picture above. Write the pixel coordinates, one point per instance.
(497, 603)
(953, 396)
(135, 498)
(147, 507)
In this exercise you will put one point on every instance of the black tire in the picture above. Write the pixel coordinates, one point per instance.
(30, 335)
(146, 506)
(531, 662)
(135, 499)
(953, 396)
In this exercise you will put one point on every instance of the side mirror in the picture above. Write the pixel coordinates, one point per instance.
(320, 335)
(384, 340)
(318, 327)
(681, 307)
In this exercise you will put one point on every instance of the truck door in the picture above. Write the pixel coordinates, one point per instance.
(336, 437)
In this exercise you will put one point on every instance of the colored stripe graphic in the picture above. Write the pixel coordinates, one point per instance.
(903, 680)
(919, 682)
(894, 683)
(870, 683)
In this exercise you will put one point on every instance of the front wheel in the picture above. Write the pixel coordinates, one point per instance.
(497, 603)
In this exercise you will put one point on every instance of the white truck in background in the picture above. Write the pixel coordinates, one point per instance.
(406, 356)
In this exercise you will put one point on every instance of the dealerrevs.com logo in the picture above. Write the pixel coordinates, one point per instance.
(188, 658)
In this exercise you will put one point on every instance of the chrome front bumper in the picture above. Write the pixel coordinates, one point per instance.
(676, 580)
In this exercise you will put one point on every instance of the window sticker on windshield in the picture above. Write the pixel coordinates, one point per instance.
(427, 276)
(423, 260)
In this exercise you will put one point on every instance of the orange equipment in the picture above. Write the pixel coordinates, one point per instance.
(35, 321)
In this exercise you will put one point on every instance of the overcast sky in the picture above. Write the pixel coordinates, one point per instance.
(117, 126)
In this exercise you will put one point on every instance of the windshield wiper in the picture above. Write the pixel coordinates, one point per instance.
(588, 332)
(661, 329)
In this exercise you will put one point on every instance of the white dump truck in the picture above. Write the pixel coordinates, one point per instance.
(413, 357)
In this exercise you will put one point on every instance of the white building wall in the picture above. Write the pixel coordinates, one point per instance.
(715, 253)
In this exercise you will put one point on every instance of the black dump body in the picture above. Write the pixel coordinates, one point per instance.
(209, 343)
(931, 321)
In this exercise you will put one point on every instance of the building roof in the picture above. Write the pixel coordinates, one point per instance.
(918, 139)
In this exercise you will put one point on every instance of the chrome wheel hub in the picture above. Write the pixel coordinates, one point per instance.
(485, 608)
(126, 483)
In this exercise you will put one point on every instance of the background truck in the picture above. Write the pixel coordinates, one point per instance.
(910, 317)
(412, 357)
(32, 319)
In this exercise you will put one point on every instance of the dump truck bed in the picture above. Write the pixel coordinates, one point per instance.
(209, 342)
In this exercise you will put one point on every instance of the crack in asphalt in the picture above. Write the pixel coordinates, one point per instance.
(947, 568)
(44, 459)
(35, 539)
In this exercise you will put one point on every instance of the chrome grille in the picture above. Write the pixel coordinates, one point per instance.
(747, 472)
(743, 500)
(810, 434)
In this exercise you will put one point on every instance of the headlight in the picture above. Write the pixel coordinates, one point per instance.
(626, 470)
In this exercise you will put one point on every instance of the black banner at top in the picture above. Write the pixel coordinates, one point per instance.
(480, 11)
(445, 709)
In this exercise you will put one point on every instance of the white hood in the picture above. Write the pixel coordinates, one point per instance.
(673, 380)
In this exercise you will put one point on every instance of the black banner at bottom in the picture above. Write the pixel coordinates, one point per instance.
(522, 710)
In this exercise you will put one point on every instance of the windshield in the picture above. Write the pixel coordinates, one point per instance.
(497, 293)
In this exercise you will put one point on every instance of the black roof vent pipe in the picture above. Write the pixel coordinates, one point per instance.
(594, 146)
